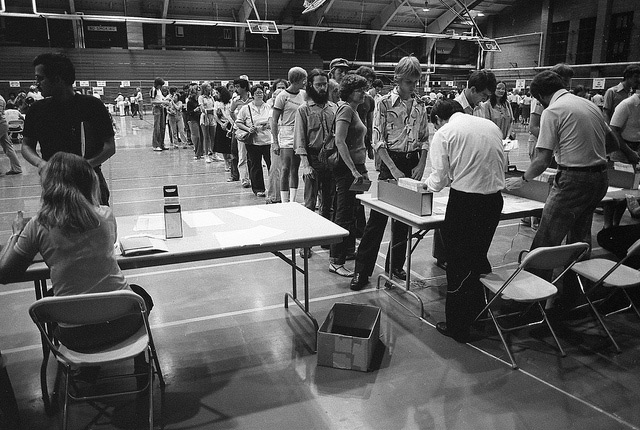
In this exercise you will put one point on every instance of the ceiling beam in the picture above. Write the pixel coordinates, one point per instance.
(440, 24)
(384, 18)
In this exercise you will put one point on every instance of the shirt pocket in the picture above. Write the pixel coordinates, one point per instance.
(313, 123)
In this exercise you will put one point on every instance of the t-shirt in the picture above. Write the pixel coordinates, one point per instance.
(355, 134)
(80, 263)
(57, 127)
(288, 103)
(627, 118)
(575, 129)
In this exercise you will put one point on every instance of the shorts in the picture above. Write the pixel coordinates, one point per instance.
(285, 136)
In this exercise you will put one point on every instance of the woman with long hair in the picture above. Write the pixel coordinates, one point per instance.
(193, 121)
(76, 237)
(498, 110)
(350, 137)
(158, 104)
(222, 141)
(255, 118)
(207, 120)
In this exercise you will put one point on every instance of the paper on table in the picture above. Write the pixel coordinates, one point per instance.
(249, 236)
(612, 189)
(253, 213)
(149, 222)
(201, 219)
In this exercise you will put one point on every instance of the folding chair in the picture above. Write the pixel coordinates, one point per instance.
(97, 308)
(524, 287)
(612, 275)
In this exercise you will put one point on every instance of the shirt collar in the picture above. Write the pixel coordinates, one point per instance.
(557, 95)
(395, 96)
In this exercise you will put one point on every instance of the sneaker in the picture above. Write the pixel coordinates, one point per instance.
(157, 149)
(246, 184)
(208, 159)
(260, 194)
(340, 270)
(175, 146)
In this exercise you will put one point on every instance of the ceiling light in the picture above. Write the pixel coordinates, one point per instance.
(426, 7)
(480, 14)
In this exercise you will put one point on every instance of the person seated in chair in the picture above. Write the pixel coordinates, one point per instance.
(75, 236)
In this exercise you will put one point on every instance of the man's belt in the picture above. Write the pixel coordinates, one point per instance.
(593, 169)
(398, 154)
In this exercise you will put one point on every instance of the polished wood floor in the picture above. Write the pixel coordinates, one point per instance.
(233, 357)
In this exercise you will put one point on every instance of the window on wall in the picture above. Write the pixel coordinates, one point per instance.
(586, 39)
(619, 37)
(558, 41)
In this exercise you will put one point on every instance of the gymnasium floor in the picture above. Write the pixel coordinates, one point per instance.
(233, 357)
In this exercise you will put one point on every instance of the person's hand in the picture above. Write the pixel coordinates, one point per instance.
(18, 223)
(397, 173)
(513, 183)
(417, 172)
(275, 148)
(307, 171)
(252, 129)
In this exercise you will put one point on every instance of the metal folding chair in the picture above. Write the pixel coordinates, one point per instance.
(523, 287)
(610, 275)
(97, 308)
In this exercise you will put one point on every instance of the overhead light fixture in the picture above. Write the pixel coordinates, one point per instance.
(480, 14)
(426, 6)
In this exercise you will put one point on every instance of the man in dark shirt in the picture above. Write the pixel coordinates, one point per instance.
(66, 121)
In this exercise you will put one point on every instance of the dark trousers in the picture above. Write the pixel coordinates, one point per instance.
(319, 188)
(345, 203)
(469, 225)
(255, 155)
(235, 173)
(618, 239)
(375, 227)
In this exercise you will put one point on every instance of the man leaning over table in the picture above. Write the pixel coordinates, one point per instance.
(575, 130)
(401, 139)
(466, 153)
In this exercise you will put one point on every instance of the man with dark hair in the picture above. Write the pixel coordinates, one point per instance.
(66, 121)
(239, 167)
(575, 131)
(313, 124)
(466, 153)
(481, 85)
(614, 95)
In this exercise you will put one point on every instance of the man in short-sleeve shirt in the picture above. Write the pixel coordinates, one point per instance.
(614, 95)
(63, 120)
(625, 123)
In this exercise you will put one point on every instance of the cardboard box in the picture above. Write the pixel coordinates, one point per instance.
(623, 175)
(538, 189)
(418, 203)
(348, 337)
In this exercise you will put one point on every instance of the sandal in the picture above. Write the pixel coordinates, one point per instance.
(339, 269)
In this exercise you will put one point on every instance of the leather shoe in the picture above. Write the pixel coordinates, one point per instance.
(458, 337)
(359, 281)
(400, 274)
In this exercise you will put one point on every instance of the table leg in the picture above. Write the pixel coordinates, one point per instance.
(293, 295)
(388, 276)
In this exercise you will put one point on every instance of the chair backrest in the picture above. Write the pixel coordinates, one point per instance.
(86, 309)
(633, 249)
(552, 257)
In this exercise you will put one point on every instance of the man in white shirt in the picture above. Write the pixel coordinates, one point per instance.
(466, 153)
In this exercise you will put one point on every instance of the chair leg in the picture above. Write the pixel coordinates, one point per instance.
(514, 365)
(598, 317)
(553, 333)
(150, 372)
(156, 362)
(633, 305)
(65, 405)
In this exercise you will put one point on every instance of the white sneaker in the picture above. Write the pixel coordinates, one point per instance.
(208, 159)
(157, 149)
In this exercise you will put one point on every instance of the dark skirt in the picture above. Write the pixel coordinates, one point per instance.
(222, 140)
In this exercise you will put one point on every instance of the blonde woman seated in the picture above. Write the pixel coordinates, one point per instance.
(75, 236)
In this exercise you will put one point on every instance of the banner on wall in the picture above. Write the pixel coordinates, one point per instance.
(520, 83)
(84, 83)
(101, 83)
(14, 84)
(125, 83)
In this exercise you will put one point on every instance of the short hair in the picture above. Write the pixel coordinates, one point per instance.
(274, 86)
(443, 109)
(564, 71)
(545, 84)
(313, 74)
(631, 70)
(377, 83)
(158, 82)
(255, 88)
(296, 74)
(579, 89)
(366, 72)
(351, 83)
(56, 65)
(172, 90)
(223, 94)
(242, 83)
(482, 80)
(407, 67)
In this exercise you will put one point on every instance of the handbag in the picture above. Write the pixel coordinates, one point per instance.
(245, 136)
(328, 154)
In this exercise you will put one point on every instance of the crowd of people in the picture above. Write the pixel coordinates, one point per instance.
(289, 125)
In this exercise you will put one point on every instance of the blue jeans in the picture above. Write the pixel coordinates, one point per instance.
(568, 211)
